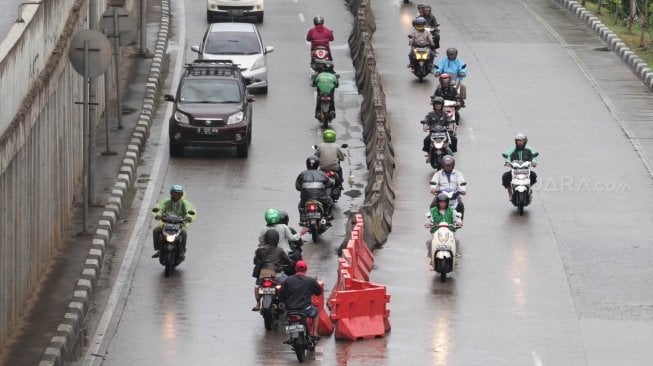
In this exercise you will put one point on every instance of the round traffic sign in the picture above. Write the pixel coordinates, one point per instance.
(99, 52)
(126, 25)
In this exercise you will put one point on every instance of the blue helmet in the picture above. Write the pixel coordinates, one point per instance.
(176, 188)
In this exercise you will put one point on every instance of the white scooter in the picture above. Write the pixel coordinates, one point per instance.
(442, 248)
(520, 183)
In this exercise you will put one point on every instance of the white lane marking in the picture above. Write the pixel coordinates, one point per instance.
(606, 100)
(301, 18)
(537, 361)
(517, 280)
(343, 46)
(296, 1)
(140, 228)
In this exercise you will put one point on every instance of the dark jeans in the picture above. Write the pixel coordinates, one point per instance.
(326, 201)
(507, 177)
(157, 236)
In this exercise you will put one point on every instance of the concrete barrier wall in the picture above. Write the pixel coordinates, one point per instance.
(379, 193)
(40, 146)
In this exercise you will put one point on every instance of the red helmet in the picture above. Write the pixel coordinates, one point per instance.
(301, 266)
(444, 76)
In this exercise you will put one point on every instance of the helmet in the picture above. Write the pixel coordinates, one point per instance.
(176, 188)
(301, 266)
(448, 159)
(312, 163)
(271, 237)
(452, 52)
(420, 22)
(329, 135)
(444, 76)
(283, 217)
(272, 216)
(318, 20)
(443, 197)
(521, 137)
(436, 100)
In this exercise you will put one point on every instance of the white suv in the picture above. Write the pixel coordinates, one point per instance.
(230, 9)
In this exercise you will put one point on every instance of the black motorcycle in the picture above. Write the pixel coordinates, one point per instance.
(270, 305)
(170, 241)
(315, 219)
(440, 141)
(300, 338)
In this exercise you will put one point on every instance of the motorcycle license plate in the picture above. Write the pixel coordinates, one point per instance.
(294, 328)
(267, 290)
(313, 215)
(208, 131)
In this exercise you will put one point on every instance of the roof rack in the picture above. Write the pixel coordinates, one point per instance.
(211, 67)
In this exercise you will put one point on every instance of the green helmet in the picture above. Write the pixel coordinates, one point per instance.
(272, 216)
(329, 135)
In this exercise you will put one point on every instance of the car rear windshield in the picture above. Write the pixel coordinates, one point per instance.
(232, 43)
(210, 91)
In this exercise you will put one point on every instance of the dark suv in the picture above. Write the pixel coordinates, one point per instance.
(212, 108)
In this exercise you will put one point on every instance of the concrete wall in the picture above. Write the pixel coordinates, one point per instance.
(40, 146)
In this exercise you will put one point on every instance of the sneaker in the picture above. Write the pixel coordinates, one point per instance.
(156, 254)
(317, 115)
(332, 114)
(257, 307)
(329, 217)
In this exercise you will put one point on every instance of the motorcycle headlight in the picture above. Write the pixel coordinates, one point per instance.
(235, 118)
(181, 118)
(170, 237)
(260, 63)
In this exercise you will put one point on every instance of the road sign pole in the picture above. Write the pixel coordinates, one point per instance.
(92, 121)
(116, 49)
(108, 150)
(85, 159)
(143, 43)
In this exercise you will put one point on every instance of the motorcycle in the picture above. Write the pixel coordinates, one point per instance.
(271, 308)
(300, 338)
(315, 219)
(319, 55)
(440, 141)
(170, 256)
(520, 183)
(324, 114)
(442, 249)
(454, 196)
(422, 62)
(335, 191)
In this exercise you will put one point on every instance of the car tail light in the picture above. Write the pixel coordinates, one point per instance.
(294, 318)
(267, 283)
(312, 207)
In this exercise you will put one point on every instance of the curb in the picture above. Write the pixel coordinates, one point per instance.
(65, 338)
(615, 44)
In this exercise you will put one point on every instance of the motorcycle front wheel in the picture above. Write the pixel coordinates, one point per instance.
(170, 264)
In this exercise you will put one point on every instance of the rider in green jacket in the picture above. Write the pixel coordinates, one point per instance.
(443, 213)
(326, 82)
(178, 205)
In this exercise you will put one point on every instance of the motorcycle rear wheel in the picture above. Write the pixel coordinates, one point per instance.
(314, 234)
(267, 318)
(300, 349)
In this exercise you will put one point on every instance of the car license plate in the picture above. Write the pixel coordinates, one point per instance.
(235, 12)
(267, 290)
(314, 215)
(208, 131)
(294, 328)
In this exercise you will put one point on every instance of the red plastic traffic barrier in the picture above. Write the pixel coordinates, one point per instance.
(325, 324)
(363, 264)
(365, 255)
(360, 313)
(342, 283)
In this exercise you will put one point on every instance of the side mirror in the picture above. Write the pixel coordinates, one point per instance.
(314, 147)
(155, 210)
(195, 49)
(463, 183)
(432, 183)
(505, 155)
(536, 154)
(269, 49)
(169, 98)
(337, 76)
(464, 66)
(344, 146)
(191, 212)
(410, 36)
(250, 98)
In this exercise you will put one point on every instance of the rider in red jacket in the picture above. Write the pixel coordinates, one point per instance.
(320, 35)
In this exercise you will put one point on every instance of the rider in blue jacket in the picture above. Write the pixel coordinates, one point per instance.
(455, 67)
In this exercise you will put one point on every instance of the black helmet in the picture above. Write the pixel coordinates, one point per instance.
(448, 159)
(271, 237)
(437, 100)
(312, 163)
(452, 52)
(285, 219)
(318, 20)
(327, 66)
(443, 197)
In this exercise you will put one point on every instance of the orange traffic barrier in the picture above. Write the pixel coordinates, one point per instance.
(365, 255)
(360, 313)
(325, 324)
(343, 280)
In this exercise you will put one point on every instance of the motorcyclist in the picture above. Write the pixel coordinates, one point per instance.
(312, 184)
(424, 11)
(330, 154)
(326, 81)
(320, 35)
(446, 91)
(297, 292)
(271, 260)
(286, 236)
(178, 205)
(295, 245)
(456, 68)
(443, 213)
(419, 37)
(436, 117)
(448, 177)
(523, 152)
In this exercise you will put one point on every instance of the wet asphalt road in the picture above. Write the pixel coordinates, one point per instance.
(566, 284)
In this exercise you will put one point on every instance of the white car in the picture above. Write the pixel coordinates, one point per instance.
(241, 44)
(230, 9)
